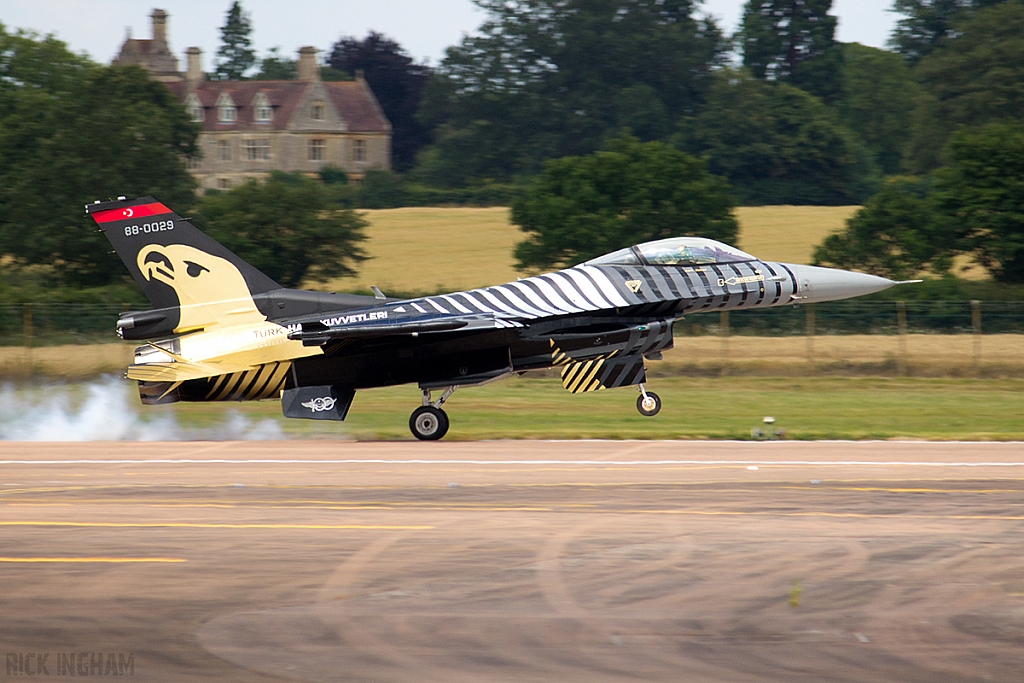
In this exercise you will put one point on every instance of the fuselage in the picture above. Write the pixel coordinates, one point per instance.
(589, 310)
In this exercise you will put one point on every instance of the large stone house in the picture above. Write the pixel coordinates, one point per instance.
(250, 128)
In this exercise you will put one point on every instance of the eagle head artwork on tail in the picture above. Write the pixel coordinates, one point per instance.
(210, 289)
(192, 281)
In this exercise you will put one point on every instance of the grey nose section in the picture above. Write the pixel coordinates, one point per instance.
(829, 284)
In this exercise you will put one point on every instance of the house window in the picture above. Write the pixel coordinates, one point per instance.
(262, 111)
(193, 163)
(317, 150)
(257, 149)
(226, 111)
(359, 150)
(316, 112)
(223, 183)
(224, 149)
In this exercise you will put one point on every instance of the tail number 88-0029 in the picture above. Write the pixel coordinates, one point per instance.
(147, 228)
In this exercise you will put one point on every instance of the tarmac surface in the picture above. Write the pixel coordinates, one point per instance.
(514, 561)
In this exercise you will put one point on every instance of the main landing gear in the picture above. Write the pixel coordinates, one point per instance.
(648, 402)
(429, 422)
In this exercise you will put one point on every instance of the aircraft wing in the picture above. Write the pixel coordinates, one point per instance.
(181, 371)
(319, 332)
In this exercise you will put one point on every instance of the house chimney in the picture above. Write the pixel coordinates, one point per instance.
(159, 18)
(308, 70)
(194, 76)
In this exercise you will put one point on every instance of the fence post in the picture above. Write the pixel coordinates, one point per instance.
(901, 325)
(723, 326)
(27, 330)
(976, 326)
(809, 333)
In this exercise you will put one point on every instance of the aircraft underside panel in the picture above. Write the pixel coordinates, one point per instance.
(262, 382)
(603, 373)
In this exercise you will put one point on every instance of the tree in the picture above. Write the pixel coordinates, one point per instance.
(381, 189)
(878, 102)
(545, 78)
(287, 227)
(980, 197)
(274, 67)
(582, 207)
(235, 55)
(792, 41)
(72, 132)
(974, 206)
(777, 144)
(971, 77)
(396, 81)
(978, 76)
(894, 235)
(927, 22)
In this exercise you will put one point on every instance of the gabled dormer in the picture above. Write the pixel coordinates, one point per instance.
(318, 110)
(194, 108)
(227, 112)
(262, 112)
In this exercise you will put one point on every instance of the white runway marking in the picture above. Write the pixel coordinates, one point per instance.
(629, 463)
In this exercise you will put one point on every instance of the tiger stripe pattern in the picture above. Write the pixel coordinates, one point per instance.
(603, 372)
(262, 382)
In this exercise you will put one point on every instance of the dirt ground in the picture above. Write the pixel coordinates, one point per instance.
(517, 561)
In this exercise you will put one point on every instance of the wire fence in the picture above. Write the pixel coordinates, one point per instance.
(49, 324)
(864, 317)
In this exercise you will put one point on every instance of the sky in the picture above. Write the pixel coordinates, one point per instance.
(424, 28)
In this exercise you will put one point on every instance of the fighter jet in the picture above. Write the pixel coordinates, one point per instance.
(220, 330)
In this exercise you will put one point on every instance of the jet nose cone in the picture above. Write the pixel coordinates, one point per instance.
(829, 284)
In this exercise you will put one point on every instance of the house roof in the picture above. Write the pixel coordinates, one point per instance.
(138, 45)
(353, 100)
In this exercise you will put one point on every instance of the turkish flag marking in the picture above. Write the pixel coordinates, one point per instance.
(131, 213)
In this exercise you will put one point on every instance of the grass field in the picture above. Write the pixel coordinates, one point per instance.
(694, 408)
(426, 250)
(917, 355)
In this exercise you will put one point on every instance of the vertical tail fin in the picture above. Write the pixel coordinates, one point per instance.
(179, 268)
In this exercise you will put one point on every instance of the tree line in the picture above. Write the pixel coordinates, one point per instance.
(552, 101)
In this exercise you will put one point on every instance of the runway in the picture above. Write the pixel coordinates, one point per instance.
(517, 561)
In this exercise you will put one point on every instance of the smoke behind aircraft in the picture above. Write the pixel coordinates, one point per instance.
(106, 410)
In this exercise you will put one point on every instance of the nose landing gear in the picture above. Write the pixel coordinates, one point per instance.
(648, 402)
(429, 422)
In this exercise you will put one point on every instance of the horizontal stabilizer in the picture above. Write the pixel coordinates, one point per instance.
(180, 372)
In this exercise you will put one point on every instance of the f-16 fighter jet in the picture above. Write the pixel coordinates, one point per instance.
(220, 330)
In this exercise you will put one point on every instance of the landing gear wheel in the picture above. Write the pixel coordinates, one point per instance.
(648, 404)
(429, 423)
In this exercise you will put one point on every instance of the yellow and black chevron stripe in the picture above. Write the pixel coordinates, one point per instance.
(259, 383)
(579, 376)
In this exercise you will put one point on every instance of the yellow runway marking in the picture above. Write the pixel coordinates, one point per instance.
(86, 560)
(893, 489)
(267, 505)
(854, 515)
(211, 525)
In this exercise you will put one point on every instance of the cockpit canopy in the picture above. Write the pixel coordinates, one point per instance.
(675, 251)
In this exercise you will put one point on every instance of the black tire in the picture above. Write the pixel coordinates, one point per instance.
(428, 423)
(649, 410)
